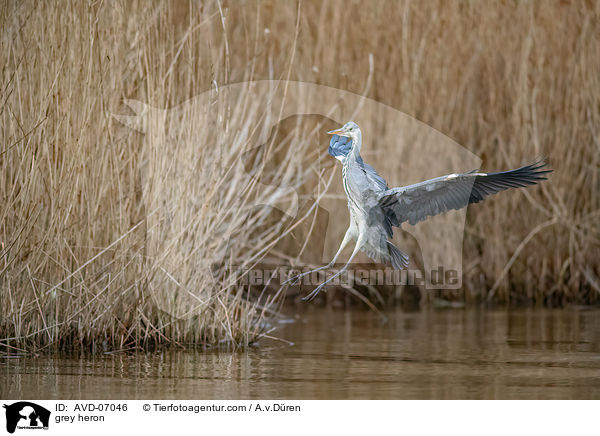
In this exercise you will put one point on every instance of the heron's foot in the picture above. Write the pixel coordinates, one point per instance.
(296, 279)
(293, 280)
(314, 293)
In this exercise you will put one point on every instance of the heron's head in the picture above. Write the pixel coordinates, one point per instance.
(349, 130)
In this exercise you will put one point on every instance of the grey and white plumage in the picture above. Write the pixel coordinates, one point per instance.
(375, 208)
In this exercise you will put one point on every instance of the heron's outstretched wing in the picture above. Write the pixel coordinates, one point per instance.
(416, 202)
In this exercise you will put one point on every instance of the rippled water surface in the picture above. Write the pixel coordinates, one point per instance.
(349, 355)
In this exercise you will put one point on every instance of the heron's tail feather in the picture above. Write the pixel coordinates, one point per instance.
(398, 258)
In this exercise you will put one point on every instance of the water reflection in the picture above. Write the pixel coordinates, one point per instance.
(338, 354)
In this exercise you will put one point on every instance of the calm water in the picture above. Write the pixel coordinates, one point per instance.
(430, 354)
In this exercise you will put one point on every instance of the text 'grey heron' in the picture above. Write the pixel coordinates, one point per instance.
(375, 208)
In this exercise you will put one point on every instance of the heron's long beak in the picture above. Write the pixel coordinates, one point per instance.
(336, 132)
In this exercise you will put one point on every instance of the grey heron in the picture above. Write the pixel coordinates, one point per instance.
(375, 208)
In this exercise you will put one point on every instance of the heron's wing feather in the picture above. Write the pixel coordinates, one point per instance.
(416, 202)
(339, 146)
(375, 179)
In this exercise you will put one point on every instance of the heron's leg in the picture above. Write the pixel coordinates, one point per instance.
(357, 248)
(345, 241)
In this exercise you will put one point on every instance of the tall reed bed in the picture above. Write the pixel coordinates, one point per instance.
(80, 262)
(115, 238)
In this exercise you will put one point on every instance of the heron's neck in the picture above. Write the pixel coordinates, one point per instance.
(356, 144)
